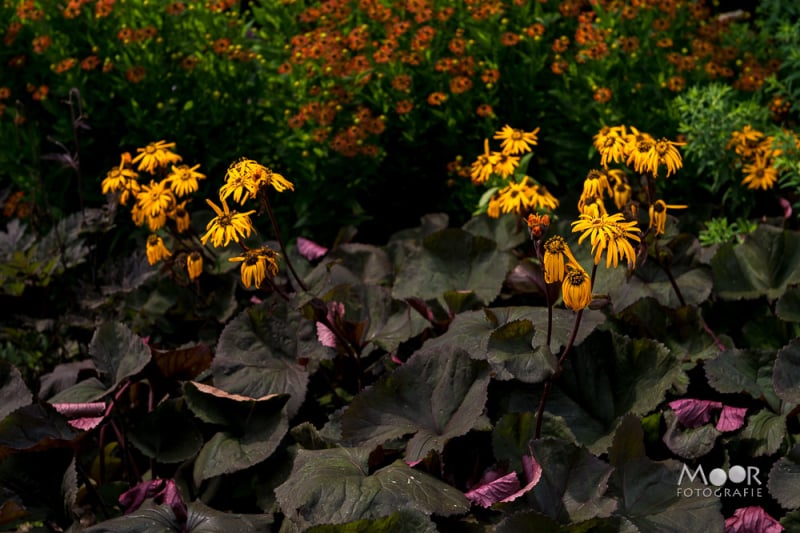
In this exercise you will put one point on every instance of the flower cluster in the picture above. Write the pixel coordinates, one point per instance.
(513, 191)
(756, 152)
(162, 206)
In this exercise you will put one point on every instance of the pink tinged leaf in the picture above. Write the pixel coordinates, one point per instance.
(494, 491)
(396, 360)
(83, 416)
(325, 335)
(787, 207)
(255, 300)
(309, 249)
(533, 473)
(694, 413)
(161, 491)
(752, 520)
(731, 418)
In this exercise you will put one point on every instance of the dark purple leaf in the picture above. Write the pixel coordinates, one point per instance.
(309, 249)
(731, 418)
(752, 520)
(694, 413)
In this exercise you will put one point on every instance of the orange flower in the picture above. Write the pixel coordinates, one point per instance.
(509, 39)
(436, 98)
(602, 95)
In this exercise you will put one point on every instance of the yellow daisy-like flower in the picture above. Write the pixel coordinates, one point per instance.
(596, 184)
(639, 156)
(555, 251)
(245, 177)
(482, 168)
(609, 233)
(227, 226)
(505, 165)
(611, 148)
(576, 289)
(593, 206)
(745, 142)
(622, 194)
(538, 196)
(759, 174)
(156, 155)
(194, 265)
(633, 138)
(121, 179)
(257, 264)
(658, 215)
(183, 179)
(155, 199)
(664, 152)
(512, 198)
(156, 251)
(181, 217)
(157, 221)
(516, 141)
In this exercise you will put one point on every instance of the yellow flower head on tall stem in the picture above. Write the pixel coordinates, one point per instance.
(227, 226)
(121, 179)
(538, 195)
(664, 152)
(576, 288)
(155, 199)
(556, 250)
(658, 215)
(181, 217)
(745, 142)
(512, 198)
(639, 156)
(610, 234)
(156, 155)
(596, 184)
(257, 264)
(611, 144)
(194, 265)
(482, 168)
(759, 174)
(593, 206)
(156, 251)
(622, 194)
(516, 141)
(183, 179)
(505, 165)
(245, 177)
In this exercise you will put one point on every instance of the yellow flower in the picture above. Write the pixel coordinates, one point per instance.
(156, 251)
(516, 141)
(156, 155)
(194, 265)
(609, 233)
(181, 217)
(245, 177)
(121, 179)
(183, 179)
(555, 250)
(622, 194)
(227, 226)
(256, 264)
(664, 152)
(576, 289)
(505, 165)
(658, 215)
(512, 198)
(745, 142)
(155, 198)
(759, 174)
(593, 206)
(639, 156)
(611, 147)
(596, 184)
(538, 196)
(482, 168)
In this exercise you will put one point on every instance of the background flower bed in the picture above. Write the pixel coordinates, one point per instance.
(376, 113)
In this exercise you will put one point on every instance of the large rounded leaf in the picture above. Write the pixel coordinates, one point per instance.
(335, 487)
(435, 396)
(117, 353)
(452, 260)
(258, 354)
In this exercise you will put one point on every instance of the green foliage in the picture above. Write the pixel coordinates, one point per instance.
(709, 114)
(720, 231)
